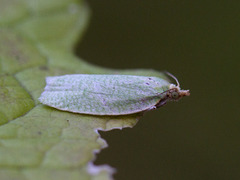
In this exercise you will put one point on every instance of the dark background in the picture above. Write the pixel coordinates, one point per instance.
(197, 41)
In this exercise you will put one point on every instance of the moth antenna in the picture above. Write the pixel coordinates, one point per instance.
(172, 76)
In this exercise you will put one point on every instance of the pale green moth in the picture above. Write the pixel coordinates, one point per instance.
(109, 94)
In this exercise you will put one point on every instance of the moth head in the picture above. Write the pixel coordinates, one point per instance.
(175, 92)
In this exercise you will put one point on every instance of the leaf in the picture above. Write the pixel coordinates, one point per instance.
(36, 141)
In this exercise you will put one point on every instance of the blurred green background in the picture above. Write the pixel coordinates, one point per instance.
(197, 41)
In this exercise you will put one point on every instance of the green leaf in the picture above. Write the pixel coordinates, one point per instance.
(36, 141)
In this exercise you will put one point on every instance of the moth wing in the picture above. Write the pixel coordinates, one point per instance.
(103, 94)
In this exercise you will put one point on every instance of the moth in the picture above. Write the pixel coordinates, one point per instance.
(109, 94)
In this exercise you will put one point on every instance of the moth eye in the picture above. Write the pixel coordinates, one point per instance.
(175, 95)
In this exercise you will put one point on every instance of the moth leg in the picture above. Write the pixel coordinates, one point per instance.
(161, 103)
